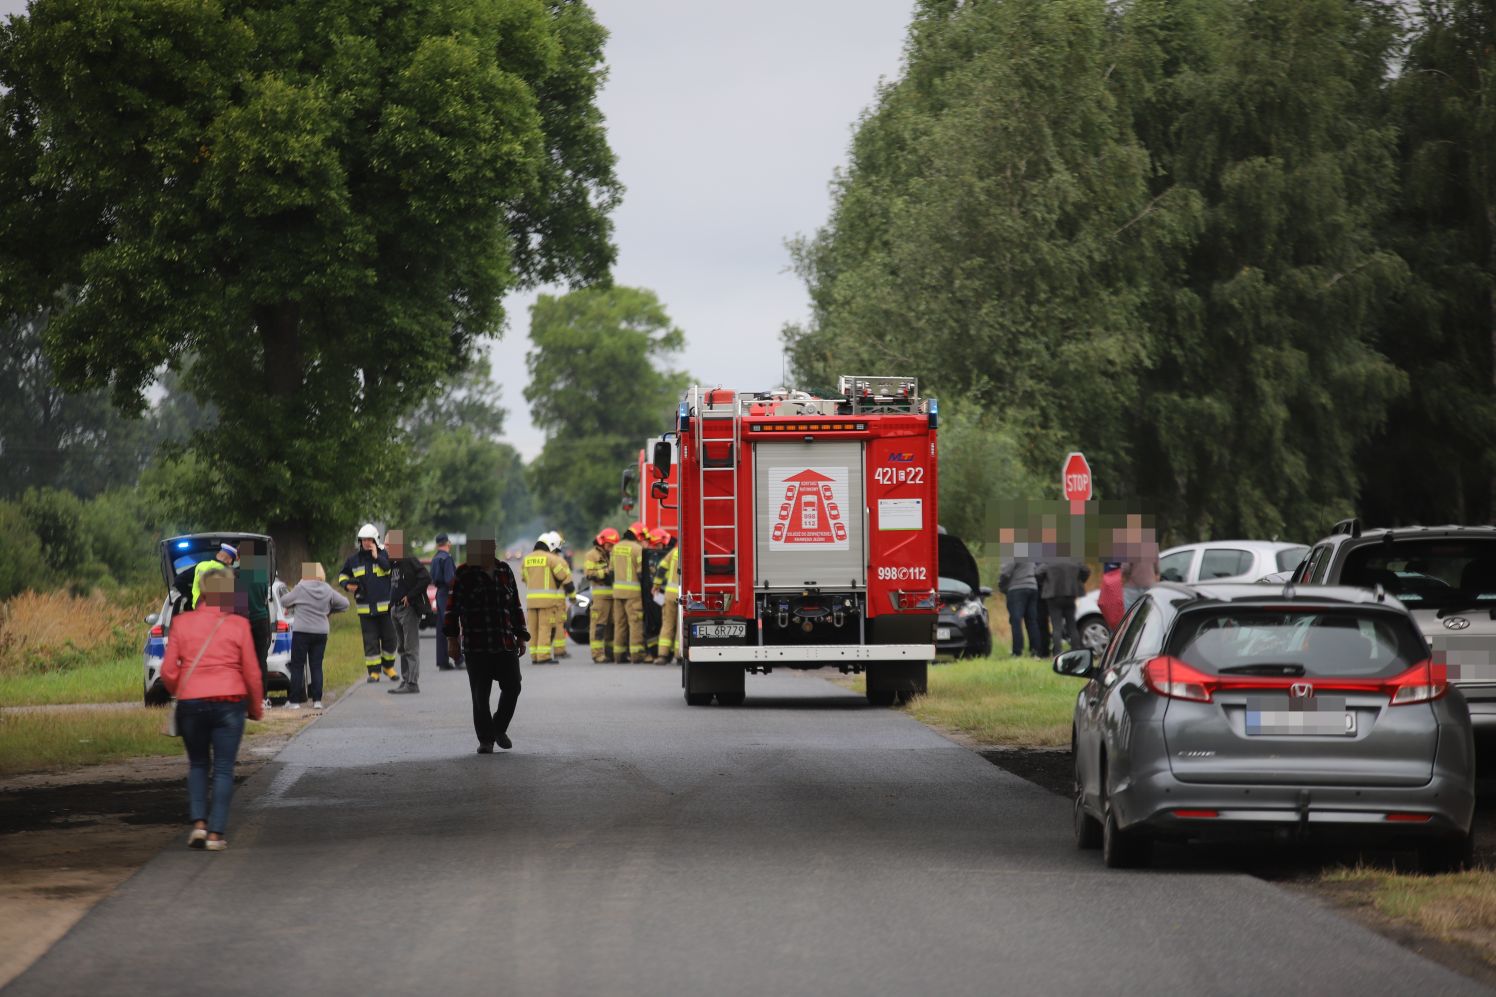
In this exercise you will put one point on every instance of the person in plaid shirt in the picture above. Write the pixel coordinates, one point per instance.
(486, 624)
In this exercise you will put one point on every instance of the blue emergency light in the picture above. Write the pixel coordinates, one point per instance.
(934, 409)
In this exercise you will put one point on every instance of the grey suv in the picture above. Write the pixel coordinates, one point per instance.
(1238, 708)
(1446, 575)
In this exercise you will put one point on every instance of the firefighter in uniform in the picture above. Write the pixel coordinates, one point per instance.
(654, 540)
(366, 574)
(556, 542)
(545, 575)
(667, 580)
(599, 572)
(628, 600)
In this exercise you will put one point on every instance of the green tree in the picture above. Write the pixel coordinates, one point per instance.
(1442, 329)
(598, 388)
(1265, 376)
(994, 230)
(321, 203)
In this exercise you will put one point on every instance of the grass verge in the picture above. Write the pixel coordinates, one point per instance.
(1459, 908)
(999, 700)
(31, 742)
(114, 681)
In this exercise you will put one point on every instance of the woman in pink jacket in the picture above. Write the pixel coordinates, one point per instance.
(214, 696)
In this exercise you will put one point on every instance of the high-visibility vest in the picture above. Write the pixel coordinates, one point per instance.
(627, 559)
(545, 572)
(596, 569)
(667, 575)
(203, 567)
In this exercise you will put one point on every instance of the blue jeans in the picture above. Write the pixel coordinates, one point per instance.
(1023, 611)
(211, 732)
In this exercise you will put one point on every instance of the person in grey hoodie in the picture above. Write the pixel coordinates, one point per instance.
(1019, 582)
(313, 600)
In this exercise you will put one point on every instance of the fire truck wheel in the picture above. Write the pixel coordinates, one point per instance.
(698, 699)
(881, 697)
(731, 698)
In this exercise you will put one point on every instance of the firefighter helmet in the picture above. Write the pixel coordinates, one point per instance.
(658, 537)
(368, 532)
(637, 529)
(606, 537)
(551, 539)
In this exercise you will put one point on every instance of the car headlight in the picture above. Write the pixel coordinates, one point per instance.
(969, 609)
(583, 601)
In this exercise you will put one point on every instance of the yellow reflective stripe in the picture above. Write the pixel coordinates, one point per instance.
(345, 577)
(371, 662)
(625, 586)
(672, 589)
(360, 571)
(380, 572)
(363, 608)
(383, 607)
(601, 593)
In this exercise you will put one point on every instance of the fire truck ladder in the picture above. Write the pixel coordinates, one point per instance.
(718, 488)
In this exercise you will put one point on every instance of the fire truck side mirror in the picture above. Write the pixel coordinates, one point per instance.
(662, 459)
(626, 490)
(659, 490)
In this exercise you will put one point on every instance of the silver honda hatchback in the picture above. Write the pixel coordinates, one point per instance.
(1297, 712)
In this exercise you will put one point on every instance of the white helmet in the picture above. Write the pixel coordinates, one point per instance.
(551, 539)
(368, 532)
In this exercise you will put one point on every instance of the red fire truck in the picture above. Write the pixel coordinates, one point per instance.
(808, 535)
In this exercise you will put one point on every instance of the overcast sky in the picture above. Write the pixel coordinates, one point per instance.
(728, 120)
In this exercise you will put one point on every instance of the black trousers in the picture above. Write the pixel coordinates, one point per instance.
(483, 670)
(1062, 622)
(260, 631)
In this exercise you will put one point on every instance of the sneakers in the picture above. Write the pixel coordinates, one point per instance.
(504, 742)
(404, 687)
(217, 845)
(198, 838)
(485, 748)
(317, 705)
(293, 706)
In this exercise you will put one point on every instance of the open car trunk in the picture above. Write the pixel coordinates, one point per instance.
(179, 553)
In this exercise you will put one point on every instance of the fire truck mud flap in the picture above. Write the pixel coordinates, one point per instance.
(896, 681)
(702, 680)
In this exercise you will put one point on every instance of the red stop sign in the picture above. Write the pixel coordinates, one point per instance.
(1075, 478)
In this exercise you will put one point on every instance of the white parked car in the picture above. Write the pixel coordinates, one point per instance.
(1215, 561)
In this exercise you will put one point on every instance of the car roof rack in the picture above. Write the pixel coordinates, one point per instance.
(1350, 527)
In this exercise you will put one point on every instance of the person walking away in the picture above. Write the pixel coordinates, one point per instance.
(211, 669)
(366, 574)
(408, 581)
(599, 572)
(667, 583)
(443, 571)
(484, 624)
(1019, 583)
(628, 600)
(1110, 601)
(222, 560)
(545, 573)
(1064, 582)
(311, 602)
(252, 592)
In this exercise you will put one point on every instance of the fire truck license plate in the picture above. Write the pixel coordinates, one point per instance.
(719, 631)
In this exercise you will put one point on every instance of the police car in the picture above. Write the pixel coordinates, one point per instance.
(179, 556)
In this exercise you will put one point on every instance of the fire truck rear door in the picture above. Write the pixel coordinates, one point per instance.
(809, 515)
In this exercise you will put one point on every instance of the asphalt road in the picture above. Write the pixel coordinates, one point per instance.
(801, 844)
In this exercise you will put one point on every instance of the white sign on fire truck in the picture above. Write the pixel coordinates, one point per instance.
(811, 513)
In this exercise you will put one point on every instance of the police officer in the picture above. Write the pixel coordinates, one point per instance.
(628, 601)
(221, 560)
(547, 583)
(366, 574)
(667, 581)
(599, 572)
(443, 574)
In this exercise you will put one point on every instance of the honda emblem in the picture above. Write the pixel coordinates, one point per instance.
(1301, 690)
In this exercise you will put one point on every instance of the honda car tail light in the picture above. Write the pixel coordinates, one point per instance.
(1173, 678)
(1423, 683)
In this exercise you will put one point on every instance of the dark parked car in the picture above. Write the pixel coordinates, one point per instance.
(1237, 709)
(962, 630)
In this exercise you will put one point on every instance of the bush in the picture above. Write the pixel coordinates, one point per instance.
(21, 561)
(56, 517)
(121, 542)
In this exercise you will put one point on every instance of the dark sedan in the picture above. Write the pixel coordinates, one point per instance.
(962, 631)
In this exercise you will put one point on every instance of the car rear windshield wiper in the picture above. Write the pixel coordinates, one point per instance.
(1262, 668)
(1465, 608)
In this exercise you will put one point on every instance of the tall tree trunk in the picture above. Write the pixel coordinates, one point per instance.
(280, 340)
(291, 551)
